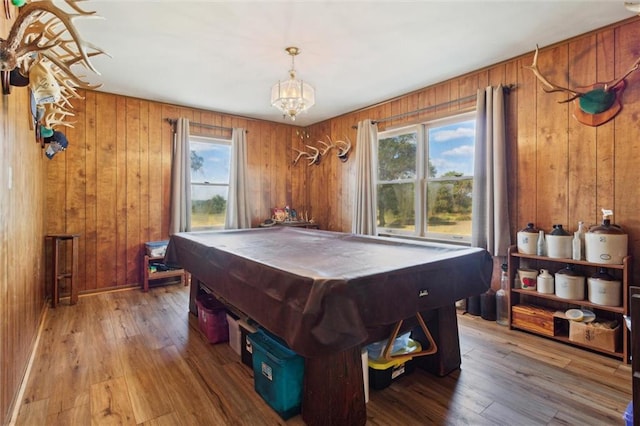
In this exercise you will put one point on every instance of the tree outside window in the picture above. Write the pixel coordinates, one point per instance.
(210, 165)
(426, 172)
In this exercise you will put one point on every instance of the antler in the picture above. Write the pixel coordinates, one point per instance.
(342, 146)
(327, 147)
(300, 154)
(28, 35)
(343, 149)
(614, 83)
(550, 86)
(54, 115)
(315, 158)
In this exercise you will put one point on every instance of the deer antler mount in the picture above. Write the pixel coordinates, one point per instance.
(594, 104)
(343, 148)
(44, 39)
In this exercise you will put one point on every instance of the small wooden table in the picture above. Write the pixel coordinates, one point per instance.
(58, 273)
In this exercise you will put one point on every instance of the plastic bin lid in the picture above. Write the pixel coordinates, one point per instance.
(270, 346)
(383, 364)
(209, 302)
(628, 413)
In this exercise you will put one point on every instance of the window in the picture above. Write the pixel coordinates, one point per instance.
(210, 163)
(425, 171)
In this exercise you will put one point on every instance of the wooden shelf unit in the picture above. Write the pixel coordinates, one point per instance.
(151, 276)
(532, 297)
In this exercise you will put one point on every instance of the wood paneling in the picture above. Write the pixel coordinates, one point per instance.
(113, 183)
(114, 186)
(23, 190)
(560, 171)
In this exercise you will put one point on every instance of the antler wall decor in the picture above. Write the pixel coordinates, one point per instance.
(594, 104)
(44, 45)
(343, 148)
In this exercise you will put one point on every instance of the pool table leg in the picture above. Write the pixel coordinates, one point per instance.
(334, 390)
(443, 324)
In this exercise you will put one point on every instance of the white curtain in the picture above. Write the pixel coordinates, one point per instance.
(363, 219)
(180, 219)
(238, 212)
(490, 204)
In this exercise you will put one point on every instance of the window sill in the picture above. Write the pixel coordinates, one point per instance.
(456, 242)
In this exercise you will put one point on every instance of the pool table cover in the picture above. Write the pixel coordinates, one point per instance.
(320, 291)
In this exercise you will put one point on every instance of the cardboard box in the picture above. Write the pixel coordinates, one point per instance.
(593, 335)
(533, 318)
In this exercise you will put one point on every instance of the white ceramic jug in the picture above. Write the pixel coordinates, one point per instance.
(545, 282)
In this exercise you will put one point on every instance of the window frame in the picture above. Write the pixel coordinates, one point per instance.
(422, 179)
(213, 141)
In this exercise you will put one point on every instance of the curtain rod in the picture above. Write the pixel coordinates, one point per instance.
(507, 89)
(206, 126)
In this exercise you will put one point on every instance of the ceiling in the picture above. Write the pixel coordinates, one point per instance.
(225, 55)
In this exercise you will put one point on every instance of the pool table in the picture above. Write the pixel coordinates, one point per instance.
(328, 293)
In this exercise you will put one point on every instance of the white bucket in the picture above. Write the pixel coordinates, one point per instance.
(604, 292)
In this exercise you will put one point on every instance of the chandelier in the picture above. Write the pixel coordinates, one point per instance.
(292, 96)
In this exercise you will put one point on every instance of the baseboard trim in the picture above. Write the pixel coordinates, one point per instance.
(17, 401)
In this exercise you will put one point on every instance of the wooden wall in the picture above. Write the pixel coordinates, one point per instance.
(22, 215)
(112, 185)
(560, 171)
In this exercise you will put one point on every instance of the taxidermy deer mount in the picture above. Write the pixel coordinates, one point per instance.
(44, 45)
(595, 104)
(343, 148)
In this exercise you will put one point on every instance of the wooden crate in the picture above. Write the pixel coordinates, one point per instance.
(533, 318)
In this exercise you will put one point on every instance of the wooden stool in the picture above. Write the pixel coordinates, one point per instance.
(57, 273)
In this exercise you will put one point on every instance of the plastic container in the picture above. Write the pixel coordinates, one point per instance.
(247, 327)
(527, 239)
(365, 373)
(156, 248)
(234, 332)
(603, 289)
(212, 318)
(376, 350)
(569, 285)
(382, 373)
(628, 415)
(278, 374)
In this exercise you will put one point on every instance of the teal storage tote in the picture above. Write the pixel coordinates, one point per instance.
(277, 373)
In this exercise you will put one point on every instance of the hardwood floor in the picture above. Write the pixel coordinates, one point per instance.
(129, 358)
